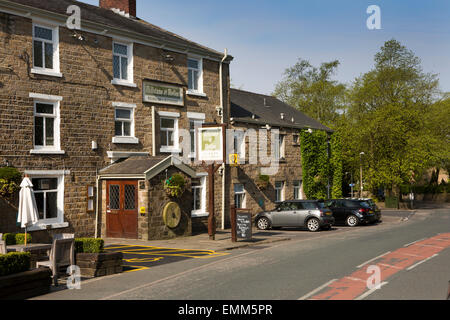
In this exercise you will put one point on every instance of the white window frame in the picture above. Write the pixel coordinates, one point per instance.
(125, 139)
(129, 82)
(202, 212)
(50, 100)
(239, 136)
(55, 71)
(241, 193)
(279, 191)
(57, 222)
(298, 190)
(199, 91)
(280, 151)
(176, 135)
(198, 119)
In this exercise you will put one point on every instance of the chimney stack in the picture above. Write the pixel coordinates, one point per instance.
(127, 6)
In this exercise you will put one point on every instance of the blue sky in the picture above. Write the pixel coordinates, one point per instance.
(267, 36)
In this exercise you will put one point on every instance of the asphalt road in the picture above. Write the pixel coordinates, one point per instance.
(413, 251)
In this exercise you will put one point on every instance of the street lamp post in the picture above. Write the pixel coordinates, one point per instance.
(351, 183)
(361, 174)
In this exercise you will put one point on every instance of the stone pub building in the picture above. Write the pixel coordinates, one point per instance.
(96, 118)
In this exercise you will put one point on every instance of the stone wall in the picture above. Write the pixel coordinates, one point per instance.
(158, 199)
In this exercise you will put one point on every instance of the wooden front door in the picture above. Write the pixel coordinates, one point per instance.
(122, 209)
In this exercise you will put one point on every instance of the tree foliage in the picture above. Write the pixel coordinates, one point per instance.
(312, 91)
(394, 113)
(390, 118)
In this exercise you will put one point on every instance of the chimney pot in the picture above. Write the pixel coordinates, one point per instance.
(128, 6)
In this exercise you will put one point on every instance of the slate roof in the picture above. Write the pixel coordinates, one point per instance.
(249, 107)
(107, 17)
(145, 167)
(133, 166)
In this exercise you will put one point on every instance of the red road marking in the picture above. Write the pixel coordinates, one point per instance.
(354, 285)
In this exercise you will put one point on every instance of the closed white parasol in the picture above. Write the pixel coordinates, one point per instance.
(28, 213)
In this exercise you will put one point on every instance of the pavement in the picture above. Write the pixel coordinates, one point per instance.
(222, 241)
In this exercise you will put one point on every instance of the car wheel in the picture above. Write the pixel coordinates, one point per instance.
(263, 223)
(352, 221)
(313, 225)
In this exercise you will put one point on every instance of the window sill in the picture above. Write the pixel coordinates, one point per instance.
(46, 226)
(169, 150)
(199, 214)
(123, 83)
(197, 94)
(44, 151)
(125, 140)
(46, 73)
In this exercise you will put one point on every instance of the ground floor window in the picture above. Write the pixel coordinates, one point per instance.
(49, 195)
(239, 196)
(298, 190)
(199, 198)
(279, 191)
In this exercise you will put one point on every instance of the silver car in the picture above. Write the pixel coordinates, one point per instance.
(297, 213)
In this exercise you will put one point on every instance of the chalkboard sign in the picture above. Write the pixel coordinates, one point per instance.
(244, 225)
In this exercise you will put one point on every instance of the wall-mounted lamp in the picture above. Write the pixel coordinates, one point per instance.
(168, 58)
(268, 127)
(94, 145)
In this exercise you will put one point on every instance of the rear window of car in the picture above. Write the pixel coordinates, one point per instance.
(365, 204)
(324, 205)
(310, 205)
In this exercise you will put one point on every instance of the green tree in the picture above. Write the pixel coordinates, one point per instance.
(390, 118)
(312, 90)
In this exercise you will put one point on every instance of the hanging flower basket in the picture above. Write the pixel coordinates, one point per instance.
(175, 186)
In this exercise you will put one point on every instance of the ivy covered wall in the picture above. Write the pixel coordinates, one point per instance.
(317, 168)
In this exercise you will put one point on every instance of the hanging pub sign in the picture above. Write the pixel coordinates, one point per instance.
(162, 93)
(211, 142)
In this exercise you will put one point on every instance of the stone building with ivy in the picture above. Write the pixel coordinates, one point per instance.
(259, 186)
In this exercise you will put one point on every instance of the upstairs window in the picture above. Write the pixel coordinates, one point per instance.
(195, 75)
(123, 64)
(124, 122)
(239, 145)
(193, 125)
(120, 61)
(45, 50)
(280, 148)
(46, 126)
(168, 132)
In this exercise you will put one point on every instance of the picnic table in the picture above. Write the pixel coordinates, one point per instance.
(39, 251)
